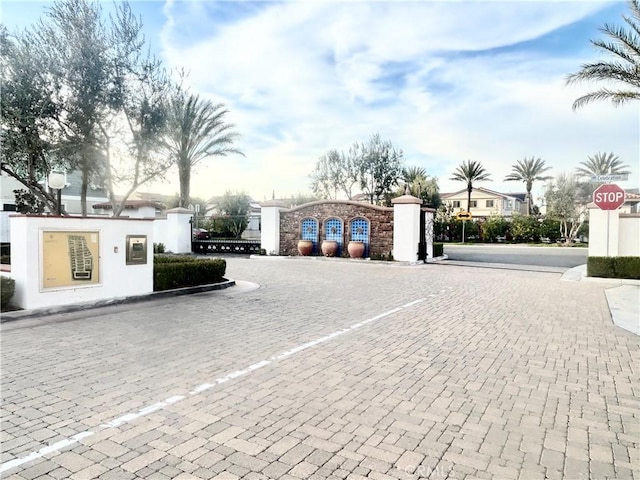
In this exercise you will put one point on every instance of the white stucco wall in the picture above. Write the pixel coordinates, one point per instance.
(270, 232)
(406, 228)
(160, 231)
(116, 279)
(629, 240)
(178, 231)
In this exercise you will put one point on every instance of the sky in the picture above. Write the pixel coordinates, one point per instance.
(445, 81)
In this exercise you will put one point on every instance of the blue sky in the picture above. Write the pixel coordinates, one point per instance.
(444, 81)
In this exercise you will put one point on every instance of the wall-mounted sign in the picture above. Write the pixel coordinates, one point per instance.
(136, 249)
(70, 258)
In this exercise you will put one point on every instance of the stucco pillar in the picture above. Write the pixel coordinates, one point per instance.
(178, 236)
(270, 226)
(406, 228)
(604, 229)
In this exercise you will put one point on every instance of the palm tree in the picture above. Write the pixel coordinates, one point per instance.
(469, 172)
(528, 171)
(602, 164)
(623, 70)
(197, 130)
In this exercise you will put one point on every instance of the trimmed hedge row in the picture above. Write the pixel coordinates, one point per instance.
(614, 267)
(7, 289)
(438, 249)
(170, 274)
(174, 259)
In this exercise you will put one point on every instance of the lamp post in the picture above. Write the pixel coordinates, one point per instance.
(57, 181)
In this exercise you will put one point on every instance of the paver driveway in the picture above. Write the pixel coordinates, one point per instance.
(330, 369)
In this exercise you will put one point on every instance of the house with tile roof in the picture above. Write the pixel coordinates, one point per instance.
(486, 203)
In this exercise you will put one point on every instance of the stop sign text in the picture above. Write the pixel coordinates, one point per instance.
(609, 197)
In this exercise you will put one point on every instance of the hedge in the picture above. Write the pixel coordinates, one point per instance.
(438, 249)
(173, 259)
(614, 267)
(7, 289)
(168, 275)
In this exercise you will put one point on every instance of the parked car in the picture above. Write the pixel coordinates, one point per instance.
(201, 234)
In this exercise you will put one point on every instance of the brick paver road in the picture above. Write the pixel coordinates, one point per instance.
(330, 369)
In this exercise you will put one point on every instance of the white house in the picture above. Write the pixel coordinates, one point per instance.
(486, 203)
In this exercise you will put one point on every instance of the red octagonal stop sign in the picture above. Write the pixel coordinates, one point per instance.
(609, 196)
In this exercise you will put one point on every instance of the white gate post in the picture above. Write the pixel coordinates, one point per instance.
(178, 230)
(406, 228)
(270, 226)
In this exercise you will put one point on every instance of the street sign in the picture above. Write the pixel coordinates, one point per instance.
(619, 177)
(609, 196)
(463, 216)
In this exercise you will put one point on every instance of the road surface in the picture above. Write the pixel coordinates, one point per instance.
(563, 257)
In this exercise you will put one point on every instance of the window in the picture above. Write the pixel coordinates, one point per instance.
(489, 204)
(509, 204)
(456, 204)
(473, 204)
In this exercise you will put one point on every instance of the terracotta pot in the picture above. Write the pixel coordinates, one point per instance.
(356, 249)
(305, 247)
(329, 248)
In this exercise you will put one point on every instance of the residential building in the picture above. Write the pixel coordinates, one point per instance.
(486, 203)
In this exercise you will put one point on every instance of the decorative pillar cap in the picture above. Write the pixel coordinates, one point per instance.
(406, 199)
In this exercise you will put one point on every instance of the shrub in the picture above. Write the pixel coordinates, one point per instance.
(7, 289)
(438, 249)
(627, 267)
(614, 267)
(158, 247)
(173, 259)
(190, 273)
(495, 227)
(525, 228)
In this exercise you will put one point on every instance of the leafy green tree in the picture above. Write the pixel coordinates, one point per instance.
(528, 171)
(470, 172)
(73, 38)
(550, 228)
(602, 164)
(567, 199)
(622, 70)
(336, 174)
(234, 212)
(379, 168)
(197, 130)
(28, 113)
(27, 202)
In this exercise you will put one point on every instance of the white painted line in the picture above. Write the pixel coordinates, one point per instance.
(200, 388)
(54, 447)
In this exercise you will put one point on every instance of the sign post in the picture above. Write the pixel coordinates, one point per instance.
(608, 197)
(464, 216)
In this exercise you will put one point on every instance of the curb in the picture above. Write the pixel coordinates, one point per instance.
(76, 307)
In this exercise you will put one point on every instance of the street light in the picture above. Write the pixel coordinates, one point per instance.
(57, 181)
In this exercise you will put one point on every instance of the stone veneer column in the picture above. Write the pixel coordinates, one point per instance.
(178, 230)
(270, 226)
(406, 228)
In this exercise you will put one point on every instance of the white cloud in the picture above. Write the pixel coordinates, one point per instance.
(301, 78)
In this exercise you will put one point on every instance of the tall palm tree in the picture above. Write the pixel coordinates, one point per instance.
(197, 131)
(602, 164)
(623, 70)
(528, 171)
(469, 172)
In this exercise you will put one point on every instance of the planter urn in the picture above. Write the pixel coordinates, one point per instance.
(329, 248)
(356, 249)
(305, 247)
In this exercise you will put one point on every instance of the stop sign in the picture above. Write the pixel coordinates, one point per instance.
(609, 196)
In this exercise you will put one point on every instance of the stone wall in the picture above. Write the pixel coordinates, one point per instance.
(380, 224)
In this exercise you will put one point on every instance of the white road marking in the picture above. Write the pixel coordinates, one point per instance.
(129, 417)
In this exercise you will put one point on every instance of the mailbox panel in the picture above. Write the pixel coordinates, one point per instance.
(136, 249)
